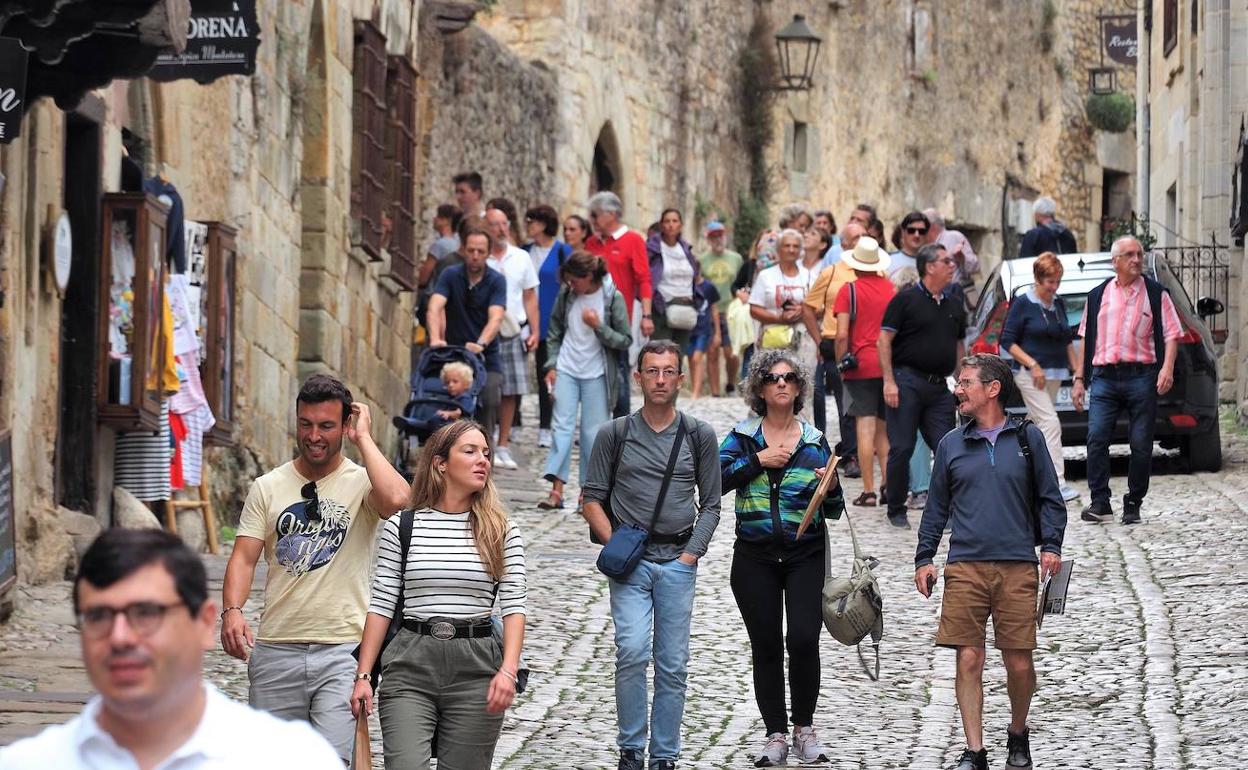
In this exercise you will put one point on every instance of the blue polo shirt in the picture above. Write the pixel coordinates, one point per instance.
(468, 308)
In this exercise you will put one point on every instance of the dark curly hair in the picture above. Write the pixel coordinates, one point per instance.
(762, 363)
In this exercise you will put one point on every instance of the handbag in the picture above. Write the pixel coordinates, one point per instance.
(777, 337)
(621, 554)
(852, 606)
(407, 518)
(680, 314)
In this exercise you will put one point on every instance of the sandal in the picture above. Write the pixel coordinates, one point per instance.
(553, 500)
(866, 500)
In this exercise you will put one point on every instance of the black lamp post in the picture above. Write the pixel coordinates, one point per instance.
(797, 47)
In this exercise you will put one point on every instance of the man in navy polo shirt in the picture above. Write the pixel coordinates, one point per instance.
(466, 308)
(920, 345)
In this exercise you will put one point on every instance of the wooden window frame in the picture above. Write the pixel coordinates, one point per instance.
(142, 412)
(217, 369)
(1169, 26)
(368, 144)
(401, 162)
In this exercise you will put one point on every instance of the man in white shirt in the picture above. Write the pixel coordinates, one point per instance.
(141, 599)
(519, 333)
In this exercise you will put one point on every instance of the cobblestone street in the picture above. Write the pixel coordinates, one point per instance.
(1149, 669)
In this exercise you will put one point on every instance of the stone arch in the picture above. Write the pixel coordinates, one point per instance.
(602, 133)
(604, 171)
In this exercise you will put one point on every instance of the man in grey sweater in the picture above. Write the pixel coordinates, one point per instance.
(652, 607)
(1001, 505)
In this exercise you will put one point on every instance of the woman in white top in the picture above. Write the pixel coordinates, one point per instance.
(444, 673)
(672, 268)
(589, 330)
(776, 303)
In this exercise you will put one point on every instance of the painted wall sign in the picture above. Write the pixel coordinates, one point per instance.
(62, 252)
(12, 88)
(222, 38)
(1121, 41)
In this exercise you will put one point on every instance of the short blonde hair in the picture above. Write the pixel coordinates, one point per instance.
(459, 369)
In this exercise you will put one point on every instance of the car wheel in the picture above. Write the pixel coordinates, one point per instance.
(1203, 451)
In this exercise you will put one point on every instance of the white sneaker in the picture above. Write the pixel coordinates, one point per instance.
(775, 752)
(806, 746)
(544, 438)
(1069, 493)
(503, 459)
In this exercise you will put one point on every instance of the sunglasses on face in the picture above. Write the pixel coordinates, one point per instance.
(313, 506)
(771, 378)
(916, 230)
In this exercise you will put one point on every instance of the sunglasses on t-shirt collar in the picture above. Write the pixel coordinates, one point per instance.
(313, 507)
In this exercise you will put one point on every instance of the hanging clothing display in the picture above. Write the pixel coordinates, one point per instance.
(141, 462)
(177, 434)
(191, 405)
(175, 249)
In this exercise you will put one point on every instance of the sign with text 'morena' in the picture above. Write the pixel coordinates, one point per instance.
(1121, 41)
(12, 88)
(222, 38)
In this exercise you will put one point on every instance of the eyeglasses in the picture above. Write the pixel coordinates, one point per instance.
(946, 261)
(313, 507)
(966, 384)
(653, 372)
(144, 618)
(771, 378)
(916, 230)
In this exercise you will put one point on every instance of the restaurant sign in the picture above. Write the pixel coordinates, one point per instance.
(12, 88)
(222, 38)
(1121, 41)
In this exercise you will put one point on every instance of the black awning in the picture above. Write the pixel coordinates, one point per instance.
(80, 45)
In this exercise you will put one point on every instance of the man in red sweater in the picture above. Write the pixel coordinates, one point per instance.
(624, 251)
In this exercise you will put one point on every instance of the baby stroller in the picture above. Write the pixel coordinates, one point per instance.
(420, 417)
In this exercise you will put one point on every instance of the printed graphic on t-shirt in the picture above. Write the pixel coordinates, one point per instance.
(304, 545)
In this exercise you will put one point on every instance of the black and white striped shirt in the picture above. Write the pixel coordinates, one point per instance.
(445, 577)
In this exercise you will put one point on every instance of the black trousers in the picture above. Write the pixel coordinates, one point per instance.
(545, 406)
(768, 592)
(923, 406)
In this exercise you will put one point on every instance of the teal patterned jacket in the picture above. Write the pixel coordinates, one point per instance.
(768, 513)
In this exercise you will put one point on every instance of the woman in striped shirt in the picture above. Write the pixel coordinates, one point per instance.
(444, 672)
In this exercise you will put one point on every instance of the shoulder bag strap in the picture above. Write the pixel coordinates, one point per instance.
(667, 475)
(618, 451)
(853, 302)
(407, 519)
(1024, 446)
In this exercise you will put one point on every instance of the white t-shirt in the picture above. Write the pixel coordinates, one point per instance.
(319, 571)
(580, 355)
(517, 267)
(539, 254)
(230, 736)
(772, 288)
(677, 272)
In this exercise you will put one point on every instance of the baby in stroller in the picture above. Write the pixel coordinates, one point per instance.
(457, 379)
(436, 406)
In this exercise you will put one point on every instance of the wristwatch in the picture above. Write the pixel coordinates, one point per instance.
(645, 316)
(364, 676)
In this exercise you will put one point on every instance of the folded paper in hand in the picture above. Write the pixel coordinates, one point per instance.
(1051, 598)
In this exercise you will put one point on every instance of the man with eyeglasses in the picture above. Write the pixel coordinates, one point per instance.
(1000, 505)
(920, 345)
(145, 620)
(652, 608)
(315, 521)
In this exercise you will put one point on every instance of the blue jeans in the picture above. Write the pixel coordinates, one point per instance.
(591, 397)
(659, 597)
(1112, 392)
(920, 466)
(924, 408)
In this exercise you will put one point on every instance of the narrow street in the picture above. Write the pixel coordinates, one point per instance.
(1148, 669)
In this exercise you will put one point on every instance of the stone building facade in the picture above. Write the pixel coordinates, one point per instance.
(271, 156)
(1196, 81)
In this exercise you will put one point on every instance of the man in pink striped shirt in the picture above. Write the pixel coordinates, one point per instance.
(1126, 320)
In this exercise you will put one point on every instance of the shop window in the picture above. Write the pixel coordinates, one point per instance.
(368, 152)
(217, 330)
(401, 160)
(135, 339)
(1169, 26)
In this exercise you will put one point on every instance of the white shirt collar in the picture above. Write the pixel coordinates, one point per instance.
(208, 740)
(618, 234)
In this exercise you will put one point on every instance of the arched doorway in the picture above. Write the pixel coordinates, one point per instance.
(605, 170)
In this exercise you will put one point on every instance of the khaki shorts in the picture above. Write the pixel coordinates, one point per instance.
(976, 589)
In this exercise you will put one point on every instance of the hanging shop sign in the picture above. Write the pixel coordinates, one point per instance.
(222, 38)
(1122, 44)
(12, 88)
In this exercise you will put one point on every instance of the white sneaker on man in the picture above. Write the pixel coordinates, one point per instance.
(1069, 493)
(544, 438)
(806, 746)
(503, 459)
(775, 752)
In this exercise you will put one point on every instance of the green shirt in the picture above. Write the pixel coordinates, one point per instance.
(721, 271)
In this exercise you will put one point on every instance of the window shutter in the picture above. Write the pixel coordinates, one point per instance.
(401, 159)
(368, 156)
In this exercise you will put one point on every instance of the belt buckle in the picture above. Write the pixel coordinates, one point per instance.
(442, 630)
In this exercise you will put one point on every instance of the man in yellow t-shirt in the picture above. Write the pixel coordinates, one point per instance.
(315, 520)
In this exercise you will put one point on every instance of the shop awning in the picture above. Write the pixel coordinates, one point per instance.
(80, 45)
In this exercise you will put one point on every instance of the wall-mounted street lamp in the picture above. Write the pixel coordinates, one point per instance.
(797, 47)
(1101, 80)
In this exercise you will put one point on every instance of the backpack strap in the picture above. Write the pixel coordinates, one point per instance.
(1024, 446)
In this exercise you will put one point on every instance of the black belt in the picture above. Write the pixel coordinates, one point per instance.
(935, 379)
(1127, 369)
(450, 629)
(679, 538)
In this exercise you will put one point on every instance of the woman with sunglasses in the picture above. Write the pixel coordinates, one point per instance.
(774, 462)
(445, 674)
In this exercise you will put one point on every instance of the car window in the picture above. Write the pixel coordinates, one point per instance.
(988, 299)
(1178, 292)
